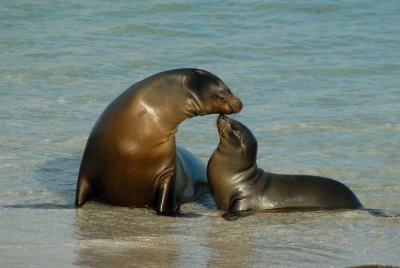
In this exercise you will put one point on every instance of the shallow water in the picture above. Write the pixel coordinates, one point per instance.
(320, 83)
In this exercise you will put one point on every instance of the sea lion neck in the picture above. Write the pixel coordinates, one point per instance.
(163, 105)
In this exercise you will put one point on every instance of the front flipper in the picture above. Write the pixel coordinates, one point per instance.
(166, 194)
(237, 210)
(83, 192)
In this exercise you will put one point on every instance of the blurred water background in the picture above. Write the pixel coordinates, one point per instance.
(320, 83)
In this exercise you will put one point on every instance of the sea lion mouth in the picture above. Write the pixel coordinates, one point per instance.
(221, 123)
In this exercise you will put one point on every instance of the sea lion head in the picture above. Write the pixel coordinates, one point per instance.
(236, 140)
(208, 94)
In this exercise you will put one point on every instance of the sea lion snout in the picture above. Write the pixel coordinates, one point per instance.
(226, 125)
(221, 124)
(227, 103)
(234, 103)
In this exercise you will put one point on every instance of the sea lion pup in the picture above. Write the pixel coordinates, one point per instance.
(238, 185)
(131, 158)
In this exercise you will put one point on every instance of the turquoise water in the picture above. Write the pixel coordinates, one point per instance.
(320, 84)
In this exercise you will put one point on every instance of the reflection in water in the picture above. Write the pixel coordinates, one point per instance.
(114, 237)
(230, 243)
(211, 241)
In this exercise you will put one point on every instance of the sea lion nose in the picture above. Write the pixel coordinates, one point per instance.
(239, 105)
(221, 117)
(235, 103)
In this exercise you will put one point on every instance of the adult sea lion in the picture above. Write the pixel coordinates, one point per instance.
(237, 184)
(131, 158)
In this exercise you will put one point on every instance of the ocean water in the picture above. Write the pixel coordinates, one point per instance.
(320, 84)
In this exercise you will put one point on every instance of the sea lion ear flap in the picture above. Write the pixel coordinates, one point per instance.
(198, 71)
(196, 81)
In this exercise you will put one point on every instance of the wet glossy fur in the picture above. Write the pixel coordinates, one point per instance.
(131, 157)
(237, 184)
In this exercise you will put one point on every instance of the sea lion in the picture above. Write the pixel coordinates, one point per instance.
(237, 184)
(131, 158)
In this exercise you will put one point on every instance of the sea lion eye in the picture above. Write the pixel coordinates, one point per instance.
(235, 130)
(227, 90)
